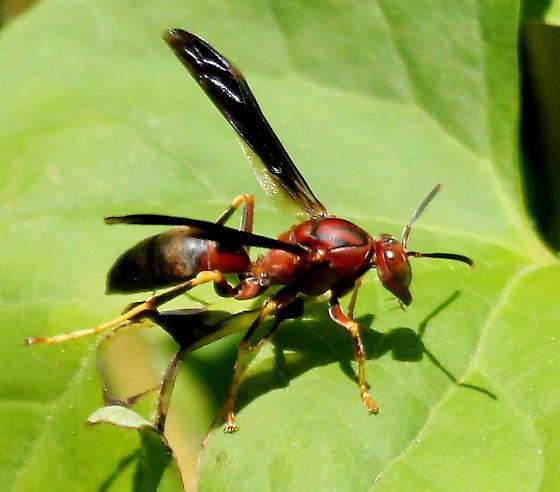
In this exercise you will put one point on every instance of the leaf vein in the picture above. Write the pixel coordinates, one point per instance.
(500, 302)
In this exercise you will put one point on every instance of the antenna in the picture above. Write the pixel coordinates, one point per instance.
(417, 213)
(445, 256)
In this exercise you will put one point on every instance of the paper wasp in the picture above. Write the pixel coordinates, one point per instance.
(322, 254)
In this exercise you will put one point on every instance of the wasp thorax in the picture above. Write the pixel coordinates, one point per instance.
(393, 267)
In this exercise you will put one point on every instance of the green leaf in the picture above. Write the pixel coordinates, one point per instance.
(120, 417)
(155, 469)
(376, 102)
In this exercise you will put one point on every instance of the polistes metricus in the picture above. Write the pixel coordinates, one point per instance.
(322, 254)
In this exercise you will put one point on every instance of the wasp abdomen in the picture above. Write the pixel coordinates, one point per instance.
(158, 261)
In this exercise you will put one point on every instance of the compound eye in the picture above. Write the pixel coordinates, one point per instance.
(394, 270)
(398, 264)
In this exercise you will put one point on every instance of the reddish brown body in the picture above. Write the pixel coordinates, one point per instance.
(339, 253)
(324, 254)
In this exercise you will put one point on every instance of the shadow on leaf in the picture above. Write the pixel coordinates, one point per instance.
(323, 343)
(151, 460)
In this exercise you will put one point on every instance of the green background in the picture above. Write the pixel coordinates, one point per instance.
(376, 102)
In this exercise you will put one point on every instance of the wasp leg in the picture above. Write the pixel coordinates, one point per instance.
(271, 306)
(153, 302)
(247, 217)
(205, 334)
(290, 311)
(353, 328)
(166, 388)
(138, 309)
(114, 324)
(224, 289)
(354, 298)
(248, 202)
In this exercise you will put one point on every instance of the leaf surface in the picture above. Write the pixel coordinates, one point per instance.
(376, 102)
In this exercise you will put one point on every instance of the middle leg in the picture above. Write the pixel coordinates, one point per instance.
(271, 306)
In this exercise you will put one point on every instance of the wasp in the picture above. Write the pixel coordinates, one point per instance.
(322, 254)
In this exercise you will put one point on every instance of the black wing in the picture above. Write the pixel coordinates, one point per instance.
(209, 230)
(225, 86)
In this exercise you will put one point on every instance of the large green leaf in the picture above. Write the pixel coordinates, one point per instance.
(377, 101)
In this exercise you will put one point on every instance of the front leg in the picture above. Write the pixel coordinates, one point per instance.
(353, 328)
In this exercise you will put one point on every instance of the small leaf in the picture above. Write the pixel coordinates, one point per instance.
(120, 417)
